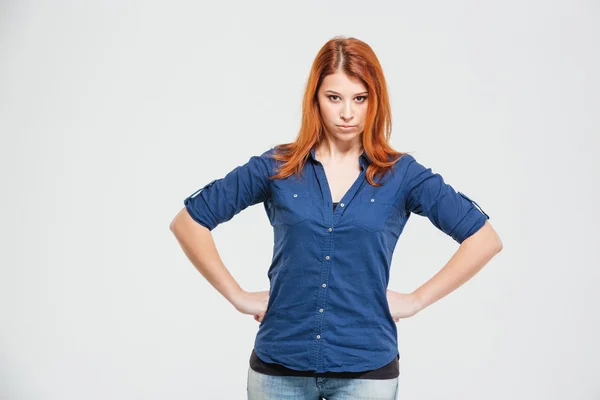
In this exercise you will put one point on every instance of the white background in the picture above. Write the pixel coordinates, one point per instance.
(112, 112)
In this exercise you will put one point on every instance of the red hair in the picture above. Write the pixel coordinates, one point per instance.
(357, 60)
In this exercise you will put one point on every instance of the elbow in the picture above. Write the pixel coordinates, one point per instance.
(492, 238)
(182, 223)
(173, 226)
(487, 238)
(499, 244)
(495, 243)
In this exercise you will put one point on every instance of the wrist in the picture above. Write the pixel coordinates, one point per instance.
(418, 302)
(233, 295)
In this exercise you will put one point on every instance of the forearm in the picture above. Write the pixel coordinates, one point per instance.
(470, 257)
(198, 245)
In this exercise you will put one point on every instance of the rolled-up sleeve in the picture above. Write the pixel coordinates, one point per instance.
(427, 194)
(221, 199)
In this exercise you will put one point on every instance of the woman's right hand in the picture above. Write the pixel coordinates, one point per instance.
(252, 303)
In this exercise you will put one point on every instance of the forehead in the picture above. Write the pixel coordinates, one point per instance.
(342, 83)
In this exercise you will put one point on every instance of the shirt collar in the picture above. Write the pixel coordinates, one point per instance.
(364, 159)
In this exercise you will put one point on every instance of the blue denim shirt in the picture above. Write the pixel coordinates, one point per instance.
(328, 308)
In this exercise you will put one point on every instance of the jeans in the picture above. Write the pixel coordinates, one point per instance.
(267, 387)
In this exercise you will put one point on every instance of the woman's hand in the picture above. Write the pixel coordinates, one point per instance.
(252, 303)
(402, 305)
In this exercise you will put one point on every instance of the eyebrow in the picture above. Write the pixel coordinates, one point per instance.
(334, 92)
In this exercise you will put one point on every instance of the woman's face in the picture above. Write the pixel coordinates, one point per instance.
(343, 102)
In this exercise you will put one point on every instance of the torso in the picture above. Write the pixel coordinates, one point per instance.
(340, 177)
(389, 371)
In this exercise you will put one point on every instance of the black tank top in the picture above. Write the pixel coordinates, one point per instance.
(391, 370)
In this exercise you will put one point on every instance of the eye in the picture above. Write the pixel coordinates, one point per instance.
(364, 98)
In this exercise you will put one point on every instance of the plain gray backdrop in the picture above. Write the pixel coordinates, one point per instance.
(112, 112)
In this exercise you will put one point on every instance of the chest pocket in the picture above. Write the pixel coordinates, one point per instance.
(371, 213)
(292, 206)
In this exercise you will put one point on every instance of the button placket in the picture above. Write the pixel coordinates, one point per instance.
(330, 220)
(324, 285)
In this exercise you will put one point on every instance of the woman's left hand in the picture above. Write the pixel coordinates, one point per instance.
(402, 305)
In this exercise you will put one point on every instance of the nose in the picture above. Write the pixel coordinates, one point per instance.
(346, 113)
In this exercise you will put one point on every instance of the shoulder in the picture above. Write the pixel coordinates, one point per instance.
(264, 157)
(405, 160)
(405, 165)
(411, 172)
(268, 154)
(256, 164)
(267, 158)
(261, 163)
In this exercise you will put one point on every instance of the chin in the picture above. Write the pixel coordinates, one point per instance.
(345, 136)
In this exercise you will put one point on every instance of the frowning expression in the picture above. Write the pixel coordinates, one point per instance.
(343, 105)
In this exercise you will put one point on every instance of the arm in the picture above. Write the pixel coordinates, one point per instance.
(215, 203)
(198, 245)
(470, 257)
(427, 194)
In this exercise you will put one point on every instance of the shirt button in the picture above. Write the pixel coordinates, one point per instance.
(295, 195)
(330, 229)
(318, 336)
(320, 310)
(341, 204)
(327, 257)
(324, 285)
(372, 200)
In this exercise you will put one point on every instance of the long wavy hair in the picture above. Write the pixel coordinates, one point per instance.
(357, 60)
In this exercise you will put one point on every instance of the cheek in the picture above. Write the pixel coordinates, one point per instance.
(363, 114)
(328, 112)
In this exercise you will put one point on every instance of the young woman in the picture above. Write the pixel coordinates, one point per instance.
(338, 198)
